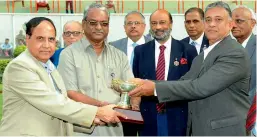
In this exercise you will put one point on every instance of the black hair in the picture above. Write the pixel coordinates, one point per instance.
(199, 10)
(34, 22)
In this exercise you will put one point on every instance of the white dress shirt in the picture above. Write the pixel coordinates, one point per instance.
(167, 51)
(130, 48)
(198, 43)
(245, 41)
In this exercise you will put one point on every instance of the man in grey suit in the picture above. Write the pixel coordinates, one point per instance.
(242, 30)
(217, 83)
(134, 25)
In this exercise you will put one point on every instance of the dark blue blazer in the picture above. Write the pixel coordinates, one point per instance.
(205, 42)
(144, 67)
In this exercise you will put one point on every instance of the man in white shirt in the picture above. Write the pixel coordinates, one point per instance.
(195, 29)
(134, 25)
(244, 22)
(216, 84)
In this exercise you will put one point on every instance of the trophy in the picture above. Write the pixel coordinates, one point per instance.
(124, 87)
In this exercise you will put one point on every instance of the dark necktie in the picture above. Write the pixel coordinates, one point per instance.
(160, 73)
(251, 116)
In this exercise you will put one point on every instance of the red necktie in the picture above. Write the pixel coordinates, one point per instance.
(160, 73)
(251, 116)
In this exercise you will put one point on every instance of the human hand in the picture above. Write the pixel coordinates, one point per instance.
(97, 121)
(108, 115)
(145, 89)
(135, 102)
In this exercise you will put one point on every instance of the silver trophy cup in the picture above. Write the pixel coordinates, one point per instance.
(124, 87)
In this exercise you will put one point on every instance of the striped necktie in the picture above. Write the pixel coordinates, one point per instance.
(193, 43)
(251, 116)
(160, 74)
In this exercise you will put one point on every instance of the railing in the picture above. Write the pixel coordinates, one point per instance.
(120, 5)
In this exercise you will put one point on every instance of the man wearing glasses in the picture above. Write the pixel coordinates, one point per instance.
(72, 32)
(134, 25)
(244, 22)
(89, 65)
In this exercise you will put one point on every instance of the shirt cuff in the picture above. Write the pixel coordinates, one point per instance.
(155, 93)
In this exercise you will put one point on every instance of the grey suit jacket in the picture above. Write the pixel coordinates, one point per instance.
(217, 90)
(251, 48)
(121, 44)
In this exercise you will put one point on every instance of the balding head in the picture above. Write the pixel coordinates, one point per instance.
(244, 22)
(161, 24)
(72, 32)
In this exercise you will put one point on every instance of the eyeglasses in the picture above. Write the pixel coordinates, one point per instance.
(136, 23)
(216, 20)
(155, 23)
(74, 33)
(95, 23)
(240, 21)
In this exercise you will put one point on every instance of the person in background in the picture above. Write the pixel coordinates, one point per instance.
(20, 39)
(72, 32)
(244, 22)
(67, 4)
(7, 48)
(194, 25)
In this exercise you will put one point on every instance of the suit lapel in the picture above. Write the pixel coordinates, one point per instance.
(251, 45)
(58, 81)
(124, 45)
(150, 58)
(175, 55)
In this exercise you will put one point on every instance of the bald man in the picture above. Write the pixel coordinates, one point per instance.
(163, 58)
(72, 32)
(244, 22)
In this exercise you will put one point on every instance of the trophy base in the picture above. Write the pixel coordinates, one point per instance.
(133, 116)
(124, 106)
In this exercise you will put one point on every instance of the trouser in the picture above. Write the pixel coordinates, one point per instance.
(71, 6)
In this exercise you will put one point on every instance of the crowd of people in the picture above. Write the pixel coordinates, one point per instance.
(202, 85)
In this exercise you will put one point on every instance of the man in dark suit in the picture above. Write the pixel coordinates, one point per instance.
(244, 22)
(134, 25)
(195, 29)
(169, 119)
(217, 83)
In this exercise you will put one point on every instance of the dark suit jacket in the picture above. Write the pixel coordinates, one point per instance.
(251, 48)
(144, 67)
(205, 42)
(121, 44)
(218, 90)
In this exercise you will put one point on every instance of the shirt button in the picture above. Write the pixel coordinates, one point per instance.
(98, 76)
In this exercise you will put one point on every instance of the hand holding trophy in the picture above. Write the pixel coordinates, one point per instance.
(124, 106)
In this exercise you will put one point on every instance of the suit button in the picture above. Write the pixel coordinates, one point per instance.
(144, 109)
(191, 112)
(52, 118)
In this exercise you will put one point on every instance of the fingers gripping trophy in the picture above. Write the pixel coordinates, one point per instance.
(124, 87)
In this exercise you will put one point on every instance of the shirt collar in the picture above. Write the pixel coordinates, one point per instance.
(167, 44)
(246, 41)
(48, 66)
(198, 41)
(85, 43)
(139, 42)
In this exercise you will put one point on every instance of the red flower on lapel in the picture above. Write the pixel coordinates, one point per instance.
(183, 61)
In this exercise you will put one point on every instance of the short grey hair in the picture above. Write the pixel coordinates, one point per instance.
(220, 4)
(69, 22)
(134, 12)
(249, 9)
(97, 6)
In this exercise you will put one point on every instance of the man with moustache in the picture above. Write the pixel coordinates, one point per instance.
(72, 32)
(134, 25)
(216, 84)
(163, 58)
(89, 66)
(244, 22)
(195, 29)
